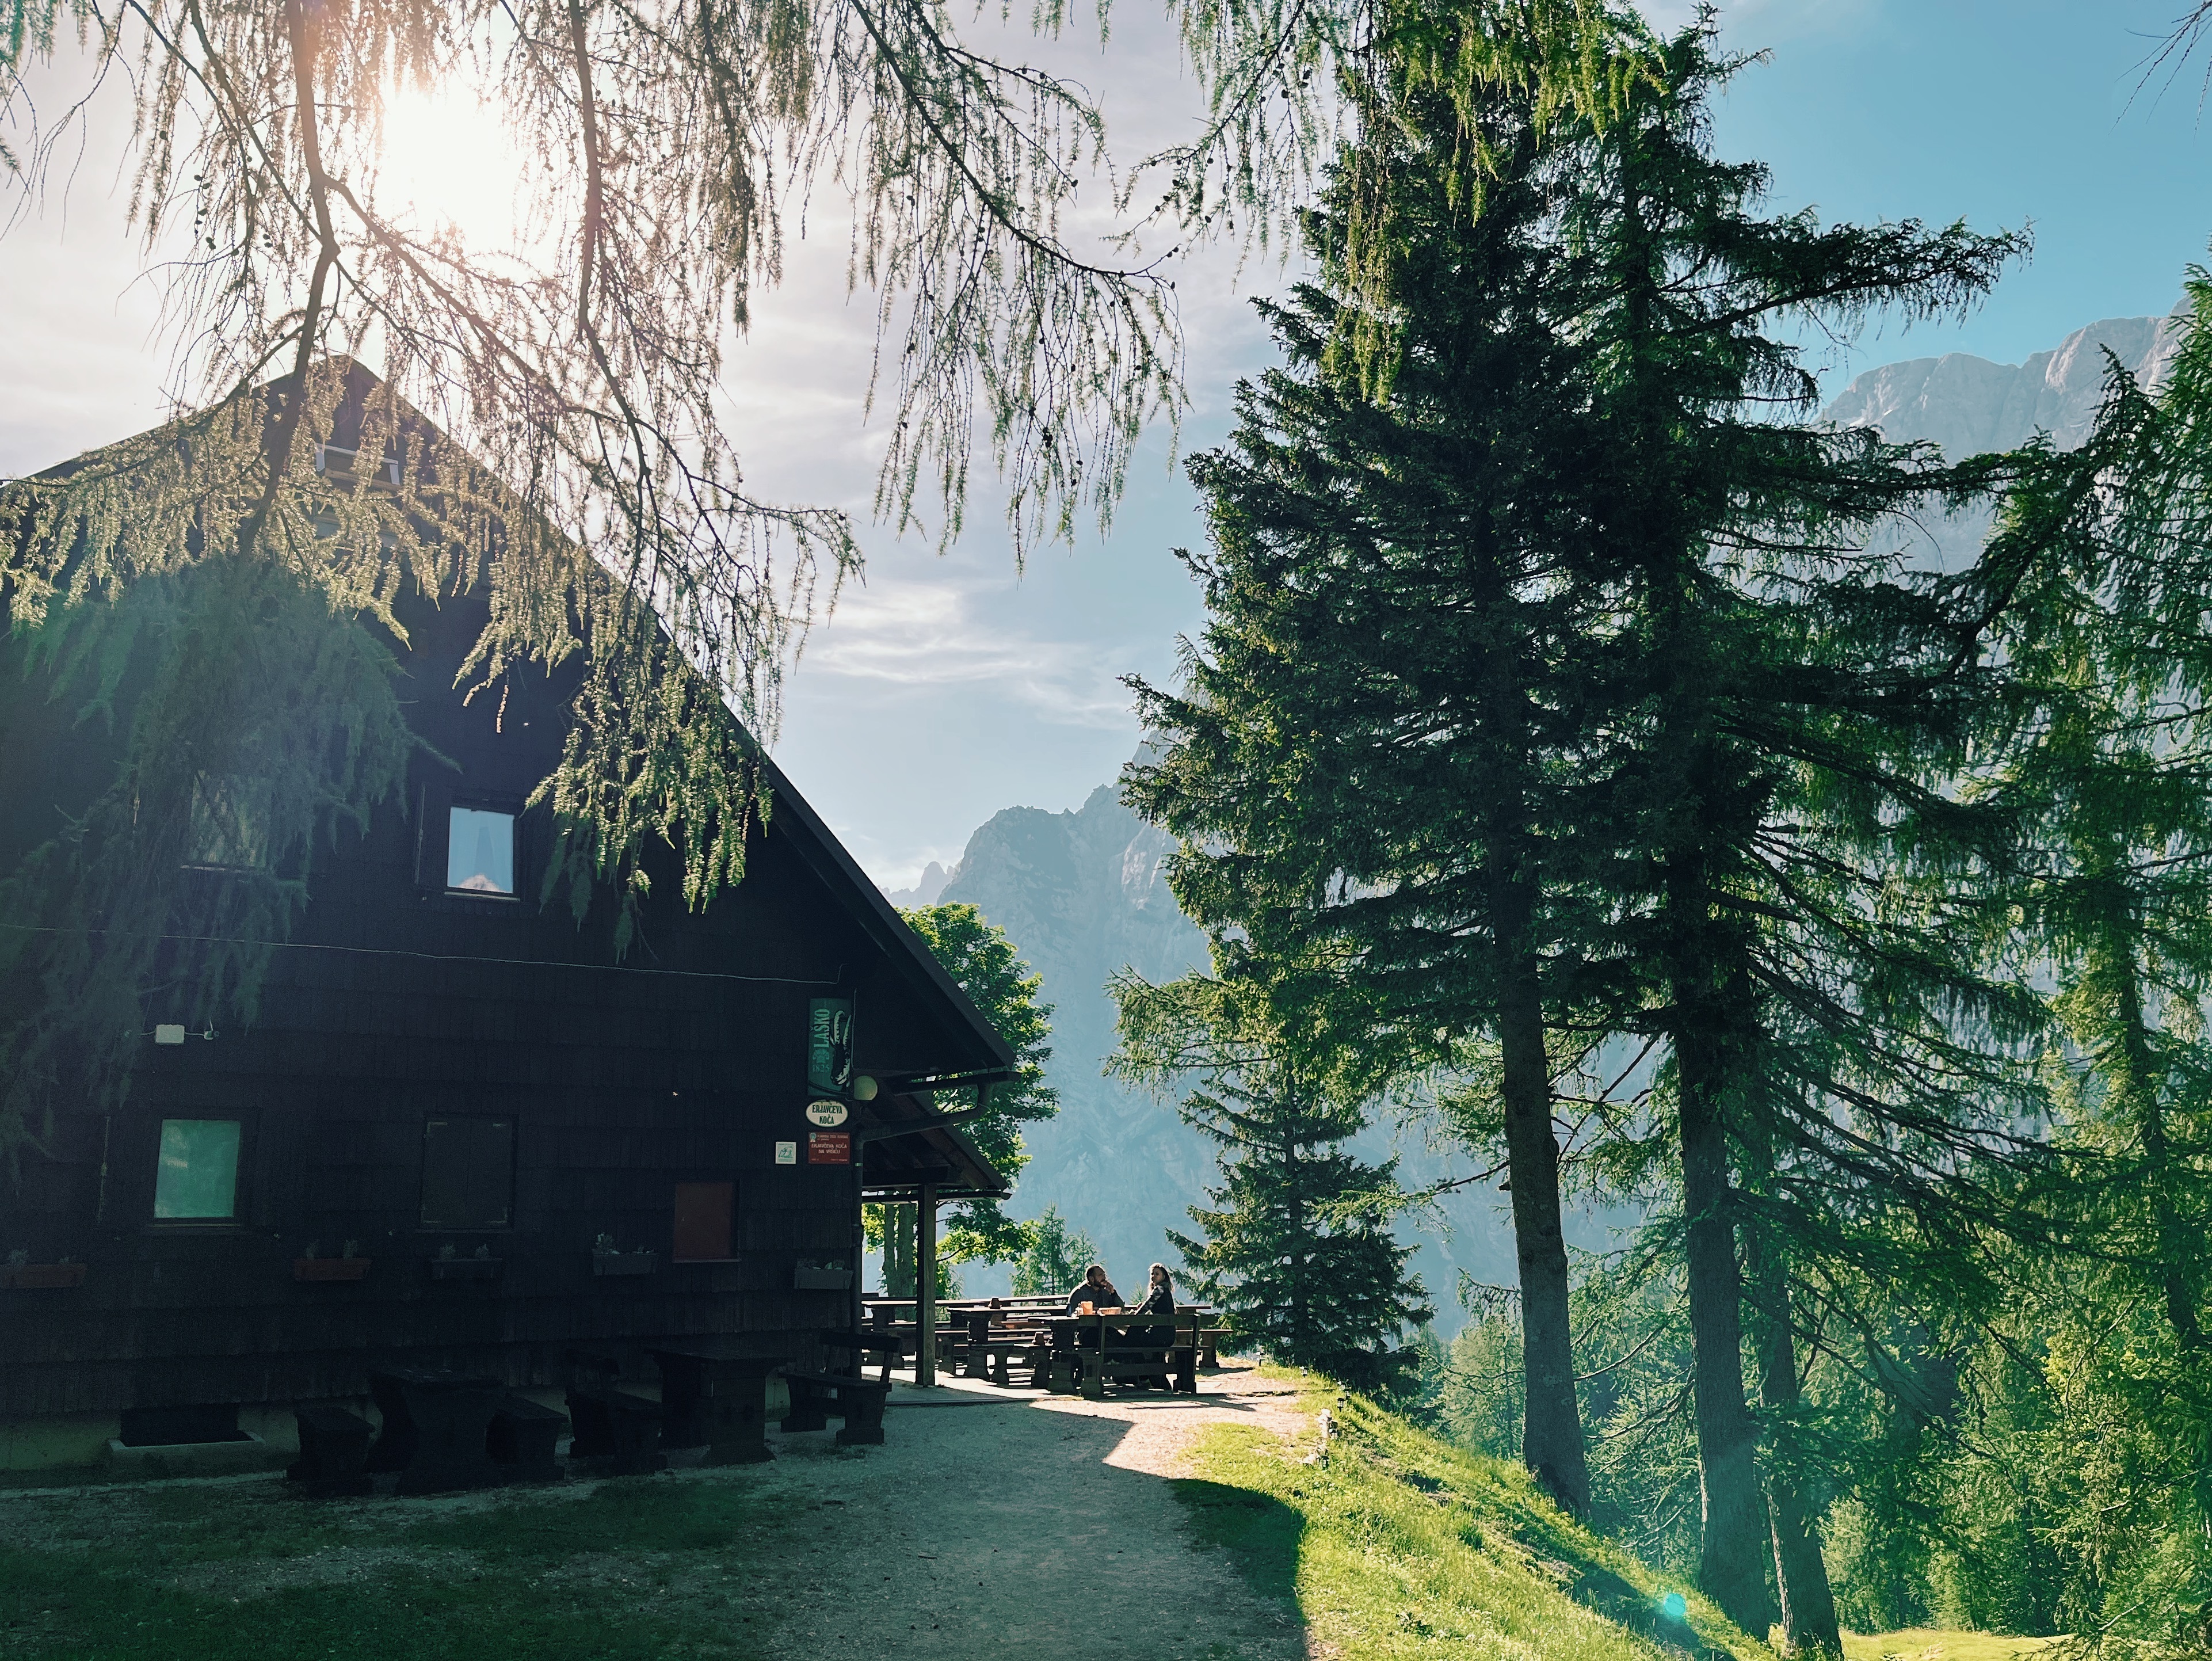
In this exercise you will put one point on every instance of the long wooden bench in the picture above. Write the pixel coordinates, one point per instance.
(817, 1397)
(1125, 1349)
(992, 1357)
(333, 1451)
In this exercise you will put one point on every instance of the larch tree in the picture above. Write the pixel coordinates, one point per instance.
(544, 426)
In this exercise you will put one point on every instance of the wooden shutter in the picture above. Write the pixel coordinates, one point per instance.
(703, 1213)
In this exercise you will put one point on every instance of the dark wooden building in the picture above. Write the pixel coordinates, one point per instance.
(461, 1133)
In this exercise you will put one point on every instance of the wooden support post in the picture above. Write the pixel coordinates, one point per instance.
(924, 1285)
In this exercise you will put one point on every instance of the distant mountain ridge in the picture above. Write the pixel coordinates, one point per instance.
(1081, 893)
(1971, 406)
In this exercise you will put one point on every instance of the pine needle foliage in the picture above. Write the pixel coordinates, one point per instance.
(1381, 742)
(1054, 1257)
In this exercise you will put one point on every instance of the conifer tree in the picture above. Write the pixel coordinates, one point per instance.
(1053, 1256)
(1295, 1246)
(1374, 748)
(1799, 682)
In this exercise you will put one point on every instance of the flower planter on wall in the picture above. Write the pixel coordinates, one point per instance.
(330, 1268)
(622, 1262)
(807, 1278)
(27, 1277)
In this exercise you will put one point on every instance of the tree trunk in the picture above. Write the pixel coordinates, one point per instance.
(1808, 1602)
(1731, 1569)
(899, 1279)
(1552, 1423)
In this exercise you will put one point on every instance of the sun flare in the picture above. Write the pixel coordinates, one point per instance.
(447, 164)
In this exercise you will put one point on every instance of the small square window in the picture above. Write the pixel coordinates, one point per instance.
(480, 851)
(468, 1173)
(197, 1175)
(702, 1221)
(230, 822)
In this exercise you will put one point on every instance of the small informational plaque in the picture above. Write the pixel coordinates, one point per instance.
(786, 1152)
(829, 1147)
(827, 1114)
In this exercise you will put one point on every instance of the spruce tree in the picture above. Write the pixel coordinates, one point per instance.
(1053, 1256)
(1372, 762)
(1295, 1246)
(1801, 686)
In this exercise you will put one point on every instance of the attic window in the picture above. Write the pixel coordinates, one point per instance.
(480, 851)
(196, 1177)
(229, 827)
(336, 461)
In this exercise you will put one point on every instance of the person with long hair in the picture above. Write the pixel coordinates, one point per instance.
(1159, 1300)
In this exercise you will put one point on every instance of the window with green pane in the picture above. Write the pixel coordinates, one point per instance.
(196, 1176)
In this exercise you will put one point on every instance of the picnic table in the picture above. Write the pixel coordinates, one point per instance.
(715, 1395)
(437, 1428)
(993, 1338)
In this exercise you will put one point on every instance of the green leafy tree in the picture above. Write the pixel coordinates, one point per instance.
(1295, 1246)
(983, 963)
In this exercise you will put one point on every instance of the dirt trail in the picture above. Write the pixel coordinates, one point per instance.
(980, 1530)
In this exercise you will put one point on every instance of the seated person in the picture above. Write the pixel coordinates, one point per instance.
(1095, 1290)
(1159, 1300)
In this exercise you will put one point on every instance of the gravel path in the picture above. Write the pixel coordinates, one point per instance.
(993, 1522)
(959, 1535)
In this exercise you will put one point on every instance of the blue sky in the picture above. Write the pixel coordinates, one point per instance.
(947, 687)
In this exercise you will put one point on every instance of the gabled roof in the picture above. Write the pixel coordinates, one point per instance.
(989, 1058)
(817, 845)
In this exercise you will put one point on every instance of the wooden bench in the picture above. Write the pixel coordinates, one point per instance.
(634, 1421)
(817, 1396)
(991, 1358)
(591, 1378)
(1119, 1353)
(860, 1401)
(526, 1437)
(333, 1451)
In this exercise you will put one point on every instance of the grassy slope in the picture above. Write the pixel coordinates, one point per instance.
(1401, 1546)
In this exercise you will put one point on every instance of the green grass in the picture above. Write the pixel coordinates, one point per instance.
(527, 1578)
(1401, 1546)
(1927, 1644)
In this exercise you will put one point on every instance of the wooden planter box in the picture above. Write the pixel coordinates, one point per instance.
(622, 1262)
(330, 1268)
(805, 1278)
(466, 1269)
(29, 1277)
